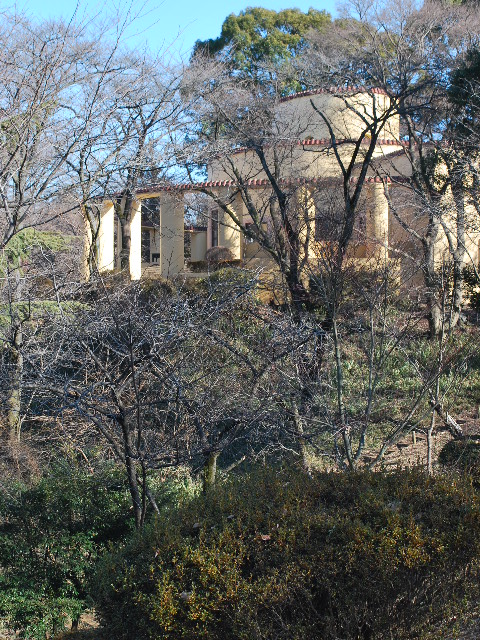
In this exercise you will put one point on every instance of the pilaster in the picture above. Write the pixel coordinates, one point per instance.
(136, 241)
(377, 220)
(171, 236)
(105, 239)
(230, 235)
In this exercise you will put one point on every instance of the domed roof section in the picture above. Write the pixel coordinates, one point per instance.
(347, 110)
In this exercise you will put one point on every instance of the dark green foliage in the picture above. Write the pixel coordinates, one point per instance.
(50, 536)
(472, 287)
(464, 94)
(258, 36)
(281, 555)
(462, 454)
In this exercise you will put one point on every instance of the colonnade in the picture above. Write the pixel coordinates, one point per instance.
(171, 232)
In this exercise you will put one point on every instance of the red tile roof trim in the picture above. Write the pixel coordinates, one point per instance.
(333, 91)
(323, 142)
(263, 182)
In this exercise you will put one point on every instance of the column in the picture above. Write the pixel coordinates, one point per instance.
(171, 236)
(377, 220)
(87, 247)
(118, 244)
(230, 234)
(198, 246)
(105, 242)
(136, 241)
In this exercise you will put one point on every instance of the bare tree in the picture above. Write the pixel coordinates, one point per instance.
(33, 277)
(146, 113)
(163, 379)
(43, 66)
(410, 53)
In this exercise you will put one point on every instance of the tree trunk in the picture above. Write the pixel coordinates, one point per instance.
(302, 443)
(299, 295)
(457, 293)
(91, 221)
(126, 244)
(210, 470)
(132, 477)
(430, 431)
(125, 217)
(14, 400)
(431, 279)
(344, 428)
(435, 316)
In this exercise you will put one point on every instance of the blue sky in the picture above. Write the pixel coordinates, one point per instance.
(182, 21)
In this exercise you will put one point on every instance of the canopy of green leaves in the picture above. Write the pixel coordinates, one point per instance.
(259, 35)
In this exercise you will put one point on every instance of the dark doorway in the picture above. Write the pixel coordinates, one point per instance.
(146, 245)
(215, 228)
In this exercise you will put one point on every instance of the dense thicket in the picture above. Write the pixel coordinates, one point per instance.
(51, 535)
(282, 555)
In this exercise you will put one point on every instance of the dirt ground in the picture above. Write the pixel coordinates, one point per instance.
(412, 449)
(88, 629)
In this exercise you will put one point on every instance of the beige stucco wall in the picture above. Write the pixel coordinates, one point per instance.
(293, 161)
(105, 248)
(377, 231)
(296, 121)
(136, 241)
(348, 114)
(171, 235)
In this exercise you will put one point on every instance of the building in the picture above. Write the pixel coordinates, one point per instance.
(316, 133)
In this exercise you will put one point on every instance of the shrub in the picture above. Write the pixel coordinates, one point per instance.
(462, 454)
(51, 534)
(472, 288)
(280, 555)
(216, 255)
(227, 283)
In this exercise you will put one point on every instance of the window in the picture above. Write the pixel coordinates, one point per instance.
(215, 228)
(328, 224)
(250, 226)
(151, 212)
(146, 245)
